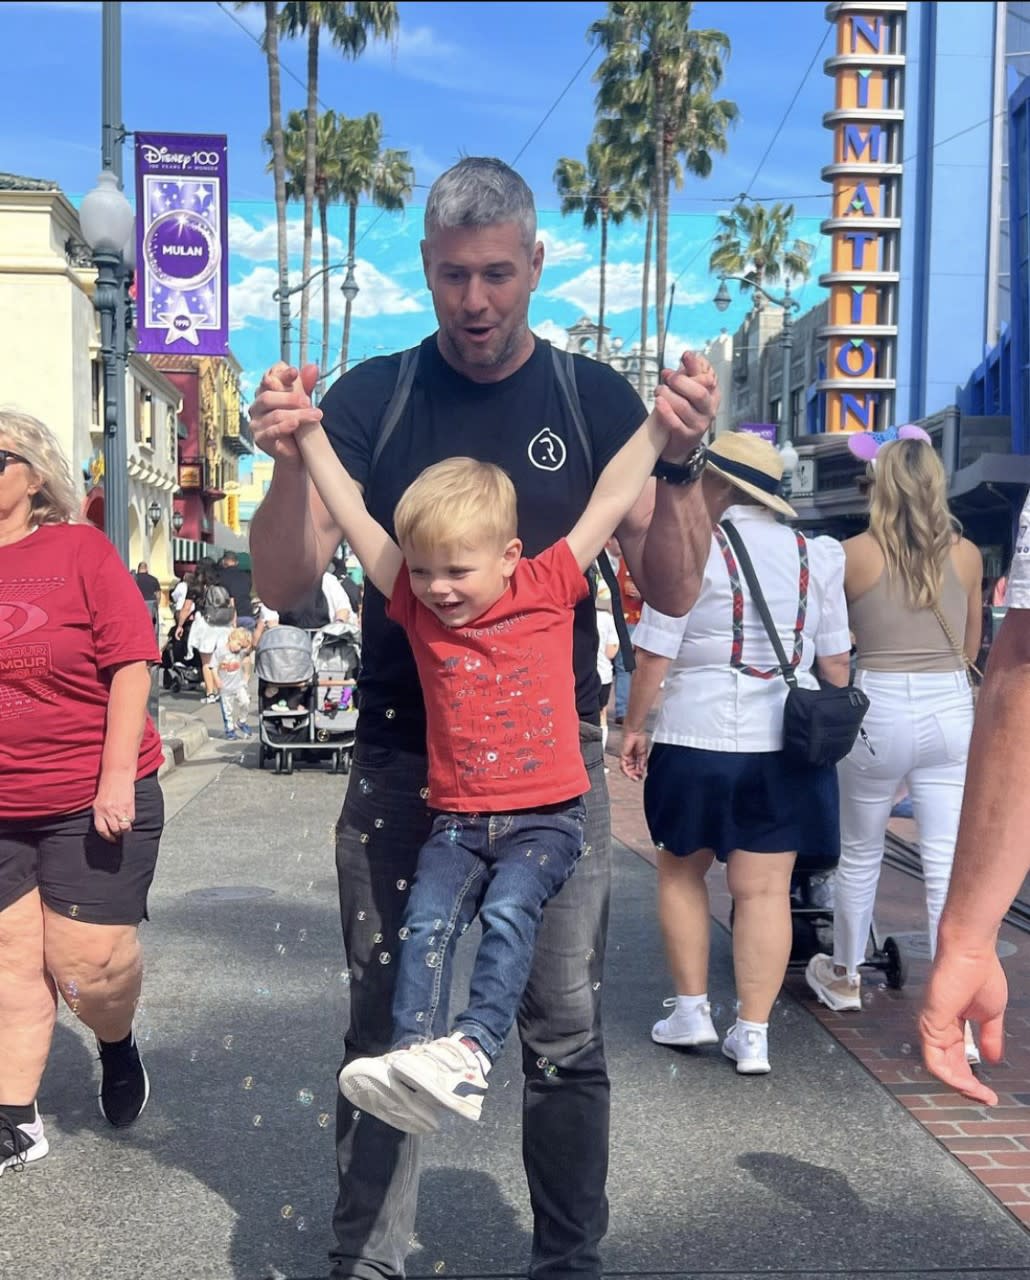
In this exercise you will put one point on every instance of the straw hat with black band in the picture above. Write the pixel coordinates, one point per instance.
(752, 465)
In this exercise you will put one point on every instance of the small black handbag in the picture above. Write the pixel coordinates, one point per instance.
(819, 725)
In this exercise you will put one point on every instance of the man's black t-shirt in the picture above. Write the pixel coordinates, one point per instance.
(237, 582)
(148, 586)
(521, 424)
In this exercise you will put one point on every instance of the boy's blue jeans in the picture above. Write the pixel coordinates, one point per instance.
(503, 867)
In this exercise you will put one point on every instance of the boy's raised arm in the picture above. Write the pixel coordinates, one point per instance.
(618, 487)
(379, 555)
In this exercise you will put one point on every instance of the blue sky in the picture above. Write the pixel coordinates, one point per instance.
(462, 79)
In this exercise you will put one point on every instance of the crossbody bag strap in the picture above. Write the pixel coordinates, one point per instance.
(398, 402)
(748, 570)
(970, 667)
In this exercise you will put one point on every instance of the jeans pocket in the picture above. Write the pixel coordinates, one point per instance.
(953, 728)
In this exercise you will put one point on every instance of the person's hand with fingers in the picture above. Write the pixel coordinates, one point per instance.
(282, 404)
(114, 808)
(633, 754)
(688, 400)
(963, 987)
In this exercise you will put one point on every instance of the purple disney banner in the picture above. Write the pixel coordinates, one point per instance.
(182, 277)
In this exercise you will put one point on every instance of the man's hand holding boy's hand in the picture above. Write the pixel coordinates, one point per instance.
(282, 404)
(686, 402)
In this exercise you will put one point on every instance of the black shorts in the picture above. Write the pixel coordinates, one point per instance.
(606, 693)
(78, 873)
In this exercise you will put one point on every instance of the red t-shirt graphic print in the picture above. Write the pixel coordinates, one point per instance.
(69, 611)
(502, 729)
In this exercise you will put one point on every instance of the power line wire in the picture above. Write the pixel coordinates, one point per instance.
(553, 106)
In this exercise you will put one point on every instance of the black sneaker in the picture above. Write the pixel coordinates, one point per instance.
(20, 1144)
(124, 1087)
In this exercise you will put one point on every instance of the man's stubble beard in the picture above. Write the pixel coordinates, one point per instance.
(506, 353)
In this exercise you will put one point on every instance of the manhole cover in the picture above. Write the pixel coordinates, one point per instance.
(230, 893)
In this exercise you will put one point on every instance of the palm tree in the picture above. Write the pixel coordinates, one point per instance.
(366, 169)
(659, 70)
(270, 44)
(754, 242)
(603, 193)
(326, 185)
(349, 26)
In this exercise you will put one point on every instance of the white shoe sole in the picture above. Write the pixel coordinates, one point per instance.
(837, 1003)
(685, 1041)
(747, 1066)
(401, 1111)
(467, 1108)
(36, 1152)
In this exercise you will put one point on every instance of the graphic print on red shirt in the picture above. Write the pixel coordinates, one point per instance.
(69, 609)
(502, 728)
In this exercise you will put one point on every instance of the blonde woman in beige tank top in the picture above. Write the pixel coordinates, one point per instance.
(913, 587)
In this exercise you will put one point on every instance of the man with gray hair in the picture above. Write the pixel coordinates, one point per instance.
(481, 386)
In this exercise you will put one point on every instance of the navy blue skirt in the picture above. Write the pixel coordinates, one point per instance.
(759, 801)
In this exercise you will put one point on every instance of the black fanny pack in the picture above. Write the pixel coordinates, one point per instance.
(819, 725)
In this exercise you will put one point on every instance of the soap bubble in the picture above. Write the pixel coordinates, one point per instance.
(305, 1097)
(365, 787)
(402, 885)
(384, 957)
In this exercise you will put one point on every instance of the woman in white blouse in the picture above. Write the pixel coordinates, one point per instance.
(718, 784)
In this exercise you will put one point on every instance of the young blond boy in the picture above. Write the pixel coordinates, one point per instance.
(230, 664)
(491, 634)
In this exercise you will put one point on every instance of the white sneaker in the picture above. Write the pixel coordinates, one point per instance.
(836, 991)
(373, 1085)
(972, 1051)
(448, 1072)
(749, 1050)
(685, 1029)
(21, 1144)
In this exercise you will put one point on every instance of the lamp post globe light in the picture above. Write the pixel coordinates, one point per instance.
(105, 217)
(177, 520)
(154, 513)
(790, 459)
(788, 305)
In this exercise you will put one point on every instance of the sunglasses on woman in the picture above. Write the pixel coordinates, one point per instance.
(6, 456)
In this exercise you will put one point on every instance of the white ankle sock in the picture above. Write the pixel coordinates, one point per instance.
(744, 1025)
(686, 1005)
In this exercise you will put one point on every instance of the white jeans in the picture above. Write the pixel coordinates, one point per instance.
(918, 726)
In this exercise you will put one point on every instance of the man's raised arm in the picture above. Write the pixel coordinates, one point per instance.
(292, 535)
(668, 531)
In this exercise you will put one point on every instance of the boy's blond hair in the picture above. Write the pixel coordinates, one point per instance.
(241, 636)
(457, 502)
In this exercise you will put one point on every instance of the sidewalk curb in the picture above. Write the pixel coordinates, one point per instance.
(182, 738)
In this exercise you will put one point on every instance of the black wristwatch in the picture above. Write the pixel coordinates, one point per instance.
(682, 473)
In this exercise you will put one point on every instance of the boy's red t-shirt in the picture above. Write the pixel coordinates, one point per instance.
(69, 609)
(502, 727)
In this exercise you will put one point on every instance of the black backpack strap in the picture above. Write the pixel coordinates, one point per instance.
(398, 402)
(565, 376)
(748, 570)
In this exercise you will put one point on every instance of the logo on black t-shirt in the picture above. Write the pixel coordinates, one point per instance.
(547, 451)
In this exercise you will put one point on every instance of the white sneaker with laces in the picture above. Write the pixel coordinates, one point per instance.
(373, 1085)
(835, 990)
(749, 1049)
(22, 1143)
(448, 1072)
(688, 1030)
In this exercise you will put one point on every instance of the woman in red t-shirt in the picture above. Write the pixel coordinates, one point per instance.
(81, 811)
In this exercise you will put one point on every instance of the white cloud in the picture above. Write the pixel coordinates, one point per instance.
(557, 249)
(420, 54)
(623, 284)
(554, 333)
(260, 244)
(251, 298)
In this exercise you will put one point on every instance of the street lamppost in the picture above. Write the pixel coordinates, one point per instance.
(350, 290)
(790, 464)
(105, 217)
(788, 305)
(154, 513)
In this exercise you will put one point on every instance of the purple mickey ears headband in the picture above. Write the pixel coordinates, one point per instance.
(867, 444)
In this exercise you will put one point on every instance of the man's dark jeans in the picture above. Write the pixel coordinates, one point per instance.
(565, 1111)
(502, 867)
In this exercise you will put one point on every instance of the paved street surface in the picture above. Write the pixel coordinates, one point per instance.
(815, 1170)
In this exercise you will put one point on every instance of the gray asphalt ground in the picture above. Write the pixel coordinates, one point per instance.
(229, 1174)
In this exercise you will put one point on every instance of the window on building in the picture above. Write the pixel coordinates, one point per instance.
(797, 411)
(97, 394)
(774, 410)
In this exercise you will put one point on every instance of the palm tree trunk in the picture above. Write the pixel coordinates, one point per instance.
(323, 221)
(662, 235)
(311, 126)
(648, 238)
(600, 300)
(352, 234)
(275, 111)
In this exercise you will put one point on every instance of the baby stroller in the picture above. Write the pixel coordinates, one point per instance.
(177, 671)
(306, 684)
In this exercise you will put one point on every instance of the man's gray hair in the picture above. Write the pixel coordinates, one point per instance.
(480, 191)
